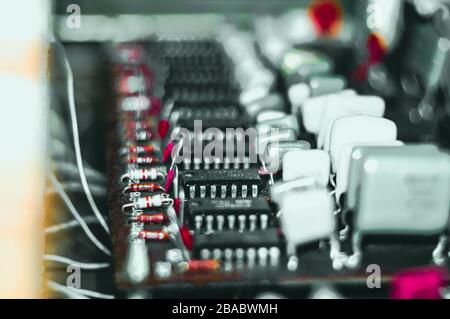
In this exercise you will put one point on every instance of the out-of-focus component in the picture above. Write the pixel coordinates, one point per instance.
(317, 85)
(275, 152)
(299, 65)
(341, 106)
(359, 154)
(137, 262)
(344, 158)
(313, 109)
(307, 215)
(419, 283)
(312, 163)
(358, 129)
(400, 194)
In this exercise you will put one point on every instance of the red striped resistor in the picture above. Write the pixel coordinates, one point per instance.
(206, 265)
(145, 187)
(142, 159)
(141, 149)
(154, 234)
(151, 218)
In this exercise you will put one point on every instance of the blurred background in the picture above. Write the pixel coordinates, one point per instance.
(399, 52)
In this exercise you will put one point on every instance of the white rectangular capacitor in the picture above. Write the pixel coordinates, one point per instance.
(360, 153)
(342, 106)
(312, 110)
(403, 194)
(344, 158)
(358, 129)
(310, 163)
(307, 215)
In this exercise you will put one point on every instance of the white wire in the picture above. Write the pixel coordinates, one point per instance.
(76, 140)
(68, 225)
(75, 214)
(76, 187)
(68, 261)
(83, 292)
(72, 168)
(65, 290)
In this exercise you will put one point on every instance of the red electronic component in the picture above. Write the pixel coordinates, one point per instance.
(141, 149)
(154, 234)
(151, 218)
(143, 160)
(169, 179)
(146, 187)
(326, 16)
(163, 127)
(206, 265)
(420, 283)
(187, 237)
(168, 151)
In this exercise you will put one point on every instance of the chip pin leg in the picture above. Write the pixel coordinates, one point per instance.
(236, 163)
(264, 221)
(198, 223)
(202, 191)
(223, 191)
(217, 253)
(226, 163)
(255, 190)
(192, 191)
(231, 221)
(251, 254)
(213, 191)
(228, 259)
(239, 253)
(246, 162)
(187, 163)
(262, 256)
(274, 255)
(241, 219)
(233, 190)
(244, 191)
(209, 223)
(197, 162)
(252, 219)
(205, 254)
(220, 222)
(217, 163)
(207, 162)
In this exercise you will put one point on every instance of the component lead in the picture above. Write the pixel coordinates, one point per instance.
(241, 219)
(264, 220)
(231, 221)
(213, 191)
(244, 191)
(220, 222)
(252, 219)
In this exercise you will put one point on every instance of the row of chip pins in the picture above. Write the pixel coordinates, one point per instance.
(204, 191)
(241, 257)
(241, 222)
(216, 163)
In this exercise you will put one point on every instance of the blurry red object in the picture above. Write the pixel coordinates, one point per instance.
(326, 16)
(419, 283)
